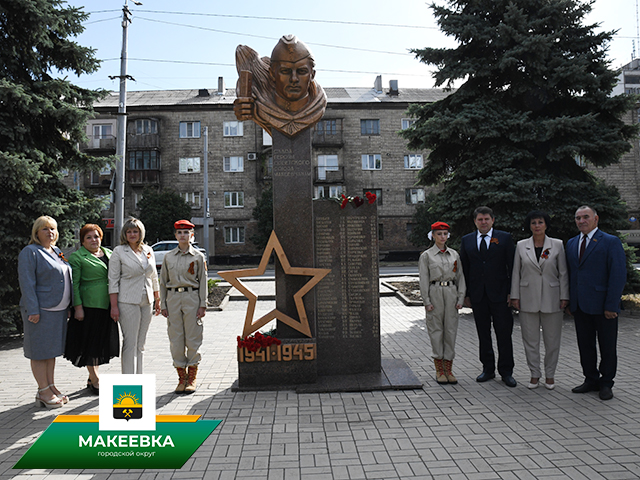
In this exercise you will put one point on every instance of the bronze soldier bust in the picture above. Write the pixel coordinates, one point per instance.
(279, 92)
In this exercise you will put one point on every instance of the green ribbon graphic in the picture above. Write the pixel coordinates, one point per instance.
(78, 444)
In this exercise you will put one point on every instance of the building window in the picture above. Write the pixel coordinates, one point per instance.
(190, 165)
(232, 129)
(233, 199)
(189, 129)
(414, 196)
(106, 170)
(413, 161)
(146, 127)
(102, 131)
(580, 161)
(136, 199)
(370, 127)
(144, 160)
(95, 178)
(233, 234)
(407, 122)
(267, 141)
(327, 127)
(371, 162)
(326, 163)
(192, 198)
(329, 191)
(233, 164)
(380, 231)
(376, 191)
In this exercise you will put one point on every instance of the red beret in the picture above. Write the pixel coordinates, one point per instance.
(183, 225)
(440, 226)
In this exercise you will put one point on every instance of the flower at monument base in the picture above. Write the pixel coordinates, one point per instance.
(357, 201)
(255, 342)
(345, 200)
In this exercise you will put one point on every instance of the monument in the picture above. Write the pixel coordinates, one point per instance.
(327, 300)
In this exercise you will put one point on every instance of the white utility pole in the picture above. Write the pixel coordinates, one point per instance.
(121, 145)
(205, 220)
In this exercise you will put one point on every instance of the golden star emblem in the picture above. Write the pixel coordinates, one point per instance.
(316, 274)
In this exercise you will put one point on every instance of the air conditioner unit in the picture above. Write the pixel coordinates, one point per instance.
(252, 156)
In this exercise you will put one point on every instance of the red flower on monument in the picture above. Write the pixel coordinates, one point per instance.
(253, 343)
(357, 201)
(371, 197)
(345, 200)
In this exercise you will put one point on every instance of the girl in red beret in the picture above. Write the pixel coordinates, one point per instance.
(443, 289)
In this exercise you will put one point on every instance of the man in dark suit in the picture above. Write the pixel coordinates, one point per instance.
(597, 275)
(487, 260)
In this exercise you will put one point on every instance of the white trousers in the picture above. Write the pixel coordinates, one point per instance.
(134, 325)
(551, 324)
(442, 321)
(184, 328)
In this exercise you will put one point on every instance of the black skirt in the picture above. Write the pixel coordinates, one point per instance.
(93, 341)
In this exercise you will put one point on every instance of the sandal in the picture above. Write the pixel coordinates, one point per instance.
(53, 402)
(61, 396)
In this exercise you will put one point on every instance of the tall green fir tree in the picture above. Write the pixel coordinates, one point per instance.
(534, 95)
(42, 120)
(263, 213)
(159, 210)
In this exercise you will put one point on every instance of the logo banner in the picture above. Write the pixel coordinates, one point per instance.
(76, 442)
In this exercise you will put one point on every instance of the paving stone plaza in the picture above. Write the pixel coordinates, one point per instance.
(464, 431)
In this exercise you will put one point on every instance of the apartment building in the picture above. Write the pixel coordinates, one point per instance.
(355, 148)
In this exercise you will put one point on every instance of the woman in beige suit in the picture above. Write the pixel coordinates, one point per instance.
(133, 291)
(540, 291)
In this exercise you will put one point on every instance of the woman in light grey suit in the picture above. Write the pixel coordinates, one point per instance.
(133, 292)
(45, 283)
(540, 290)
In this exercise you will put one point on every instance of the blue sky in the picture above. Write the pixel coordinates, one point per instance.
(350, 39)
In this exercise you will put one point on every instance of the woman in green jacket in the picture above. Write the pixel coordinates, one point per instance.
(92, 336)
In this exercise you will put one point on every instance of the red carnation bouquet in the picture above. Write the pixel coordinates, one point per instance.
(253, 343)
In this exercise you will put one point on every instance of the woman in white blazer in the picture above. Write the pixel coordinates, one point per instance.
(133, 292)
(540, 291)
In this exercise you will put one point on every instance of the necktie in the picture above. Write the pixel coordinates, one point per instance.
(483, 245)
(583, 246)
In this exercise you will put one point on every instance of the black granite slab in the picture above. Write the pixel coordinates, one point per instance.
(348, 303)
(292, 176)
(394, 375)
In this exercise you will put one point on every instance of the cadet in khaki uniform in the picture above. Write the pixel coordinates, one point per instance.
(183, 296)
(443, 288)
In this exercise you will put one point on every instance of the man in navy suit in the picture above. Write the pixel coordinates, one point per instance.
(487, 260)
(597, 275)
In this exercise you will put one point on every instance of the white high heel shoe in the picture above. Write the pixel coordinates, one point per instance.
(54, 402)
(60, 395)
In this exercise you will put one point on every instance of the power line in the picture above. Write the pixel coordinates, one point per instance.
(253, 17)
(233, 65)
(267, 38)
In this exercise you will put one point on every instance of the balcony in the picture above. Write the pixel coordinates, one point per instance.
(327, 133)
(143, 177)
(329, 175)
(99, 142)
(143, 142)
